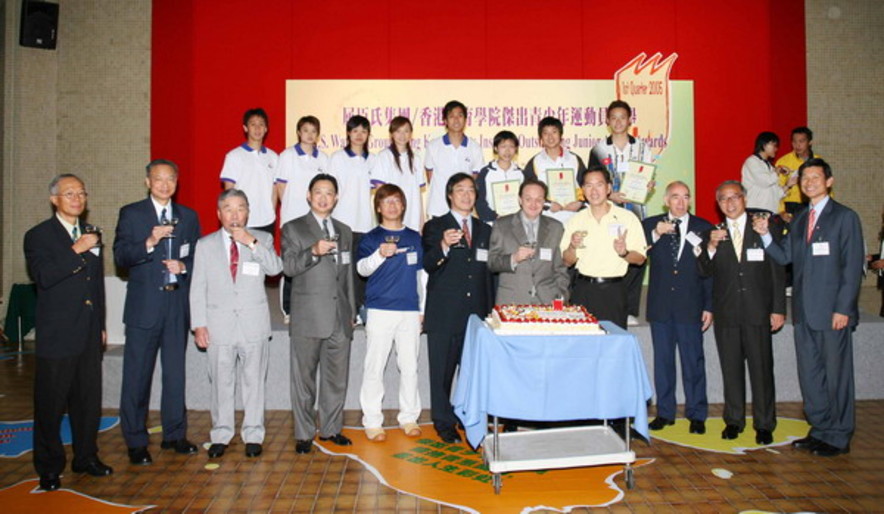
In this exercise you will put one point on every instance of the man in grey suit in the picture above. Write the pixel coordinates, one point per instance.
(525, 251)
(231, 319)
(317, 254)
(825, 248)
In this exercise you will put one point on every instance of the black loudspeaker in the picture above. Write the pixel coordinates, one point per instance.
(39, 24)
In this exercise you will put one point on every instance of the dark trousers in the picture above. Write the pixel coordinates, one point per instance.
(71, 384)
(635, 275)
(688, 338)
(169, 338)
(749, 344)
(605, 301)
(825, 373)
(443, 351)
(358, 280)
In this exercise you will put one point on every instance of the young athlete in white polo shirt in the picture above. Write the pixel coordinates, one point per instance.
(401, 166)
(450, 154)
(251, 168)
(554, 156)
(502, 169)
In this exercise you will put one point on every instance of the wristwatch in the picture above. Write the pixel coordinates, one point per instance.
(253, 244)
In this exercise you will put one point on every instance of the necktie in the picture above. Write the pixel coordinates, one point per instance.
(737, 237)
(676, 242)
(466, 233)
(75, 233)
(810, 224)
(234, 258)
(325, 229)
(163, 218)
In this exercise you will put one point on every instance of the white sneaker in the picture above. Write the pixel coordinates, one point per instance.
(631, 321)
(286, 318)
(789, 292)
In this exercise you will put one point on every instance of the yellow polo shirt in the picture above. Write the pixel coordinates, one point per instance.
(793, 162)
(598, 258)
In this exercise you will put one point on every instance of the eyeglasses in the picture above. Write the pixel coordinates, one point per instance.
(734, 198)
(70, 195)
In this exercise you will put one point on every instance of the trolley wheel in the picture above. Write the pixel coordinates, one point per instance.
(496, 480)
(630, 479)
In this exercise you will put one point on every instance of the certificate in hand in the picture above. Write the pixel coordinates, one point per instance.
(635, 182)
(561, 184)
(506, 197)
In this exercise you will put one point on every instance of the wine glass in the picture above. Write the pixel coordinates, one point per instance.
(530, 244)
(173, 222)
(723, 226)
(391, 238)
(462, 242)
(583, 234)
(334, 239)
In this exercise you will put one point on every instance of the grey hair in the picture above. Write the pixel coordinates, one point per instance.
(158, 162)
(230, 193)
(730, 183)
(53, 186)
(675, 183)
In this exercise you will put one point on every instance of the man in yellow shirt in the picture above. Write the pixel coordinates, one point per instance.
(802, 138)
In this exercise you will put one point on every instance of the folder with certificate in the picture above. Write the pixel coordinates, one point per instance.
(562, 186)
(636, 180)
(506, 196)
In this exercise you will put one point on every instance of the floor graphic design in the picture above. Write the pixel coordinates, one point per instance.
(26, 497)
(17, 437)
(788, 429)
(455, 475)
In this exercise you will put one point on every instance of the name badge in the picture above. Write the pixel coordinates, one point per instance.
(755, 254)
(184, 251)
(96, 251)
(821, 248)
(615, 229)
(693, 238)
(481, 255)
(411, 258)
(546, 254)
(345, 258)
(251, 269)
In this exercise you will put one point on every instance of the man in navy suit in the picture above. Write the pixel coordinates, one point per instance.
(825, 248)
(155, 241)
(66, 266)
(456, 258)
(679, 307)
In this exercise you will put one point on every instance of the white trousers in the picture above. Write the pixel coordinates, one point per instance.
(222, 379)
(384, 329)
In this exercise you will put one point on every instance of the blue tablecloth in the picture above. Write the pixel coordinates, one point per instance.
(550, 378)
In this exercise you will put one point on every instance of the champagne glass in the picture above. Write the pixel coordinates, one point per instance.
(334, 239)
(530, 244)
(723, 226)
(391, 238)
(173, 222)
(583, 234)
(461, 243)
(93, 229)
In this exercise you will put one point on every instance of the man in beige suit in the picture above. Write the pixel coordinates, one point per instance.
(525, 251)
(231, 320)
(318, 255)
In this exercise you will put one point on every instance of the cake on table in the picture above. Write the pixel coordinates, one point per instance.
(543, 320)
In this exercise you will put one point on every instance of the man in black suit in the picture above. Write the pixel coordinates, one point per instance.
(456, 259)
(825, 248)
(749, 302)
(155, 241)
(65, 262)
(679, 307)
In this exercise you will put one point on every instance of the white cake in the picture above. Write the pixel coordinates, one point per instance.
(543, 320)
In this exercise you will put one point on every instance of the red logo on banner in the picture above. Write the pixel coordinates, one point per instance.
(644, 84)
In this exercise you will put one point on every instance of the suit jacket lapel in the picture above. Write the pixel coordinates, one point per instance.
(519, 230)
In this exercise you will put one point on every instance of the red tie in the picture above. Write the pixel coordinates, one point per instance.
(810, 223)
(466, 233)
(234, 258)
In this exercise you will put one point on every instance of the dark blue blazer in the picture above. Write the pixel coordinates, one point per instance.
(70, 291)
(676, 291)
(144, 293)
(459, 284)
(824, 284)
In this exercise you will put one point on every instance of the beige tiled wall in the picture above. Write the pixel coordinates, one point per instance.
(845, 98)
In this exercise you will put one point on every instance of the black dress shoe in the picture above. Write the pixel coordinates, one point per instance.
(806, 443)
(824, 449)
(338, 439)
(182, 446)
(216, 450)
(510, 427)
(139, 456)
(697, 427)
(449, 436)
(303, 445)
(253, 449)
(50, 481)
(94, 467)
(763, 436)
(659, 423)
(730, 432)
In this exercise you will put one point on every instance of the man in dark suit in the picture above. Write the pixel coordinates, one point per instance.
(65, 262)
(825, 248)
(679, 307)
(317, 253)
(456, 259)
(155, 241)
(749, 302)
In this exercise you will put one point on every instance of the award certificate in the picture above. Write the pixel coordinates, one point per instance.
(561, 184)
(505, 196)
(635, 182)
